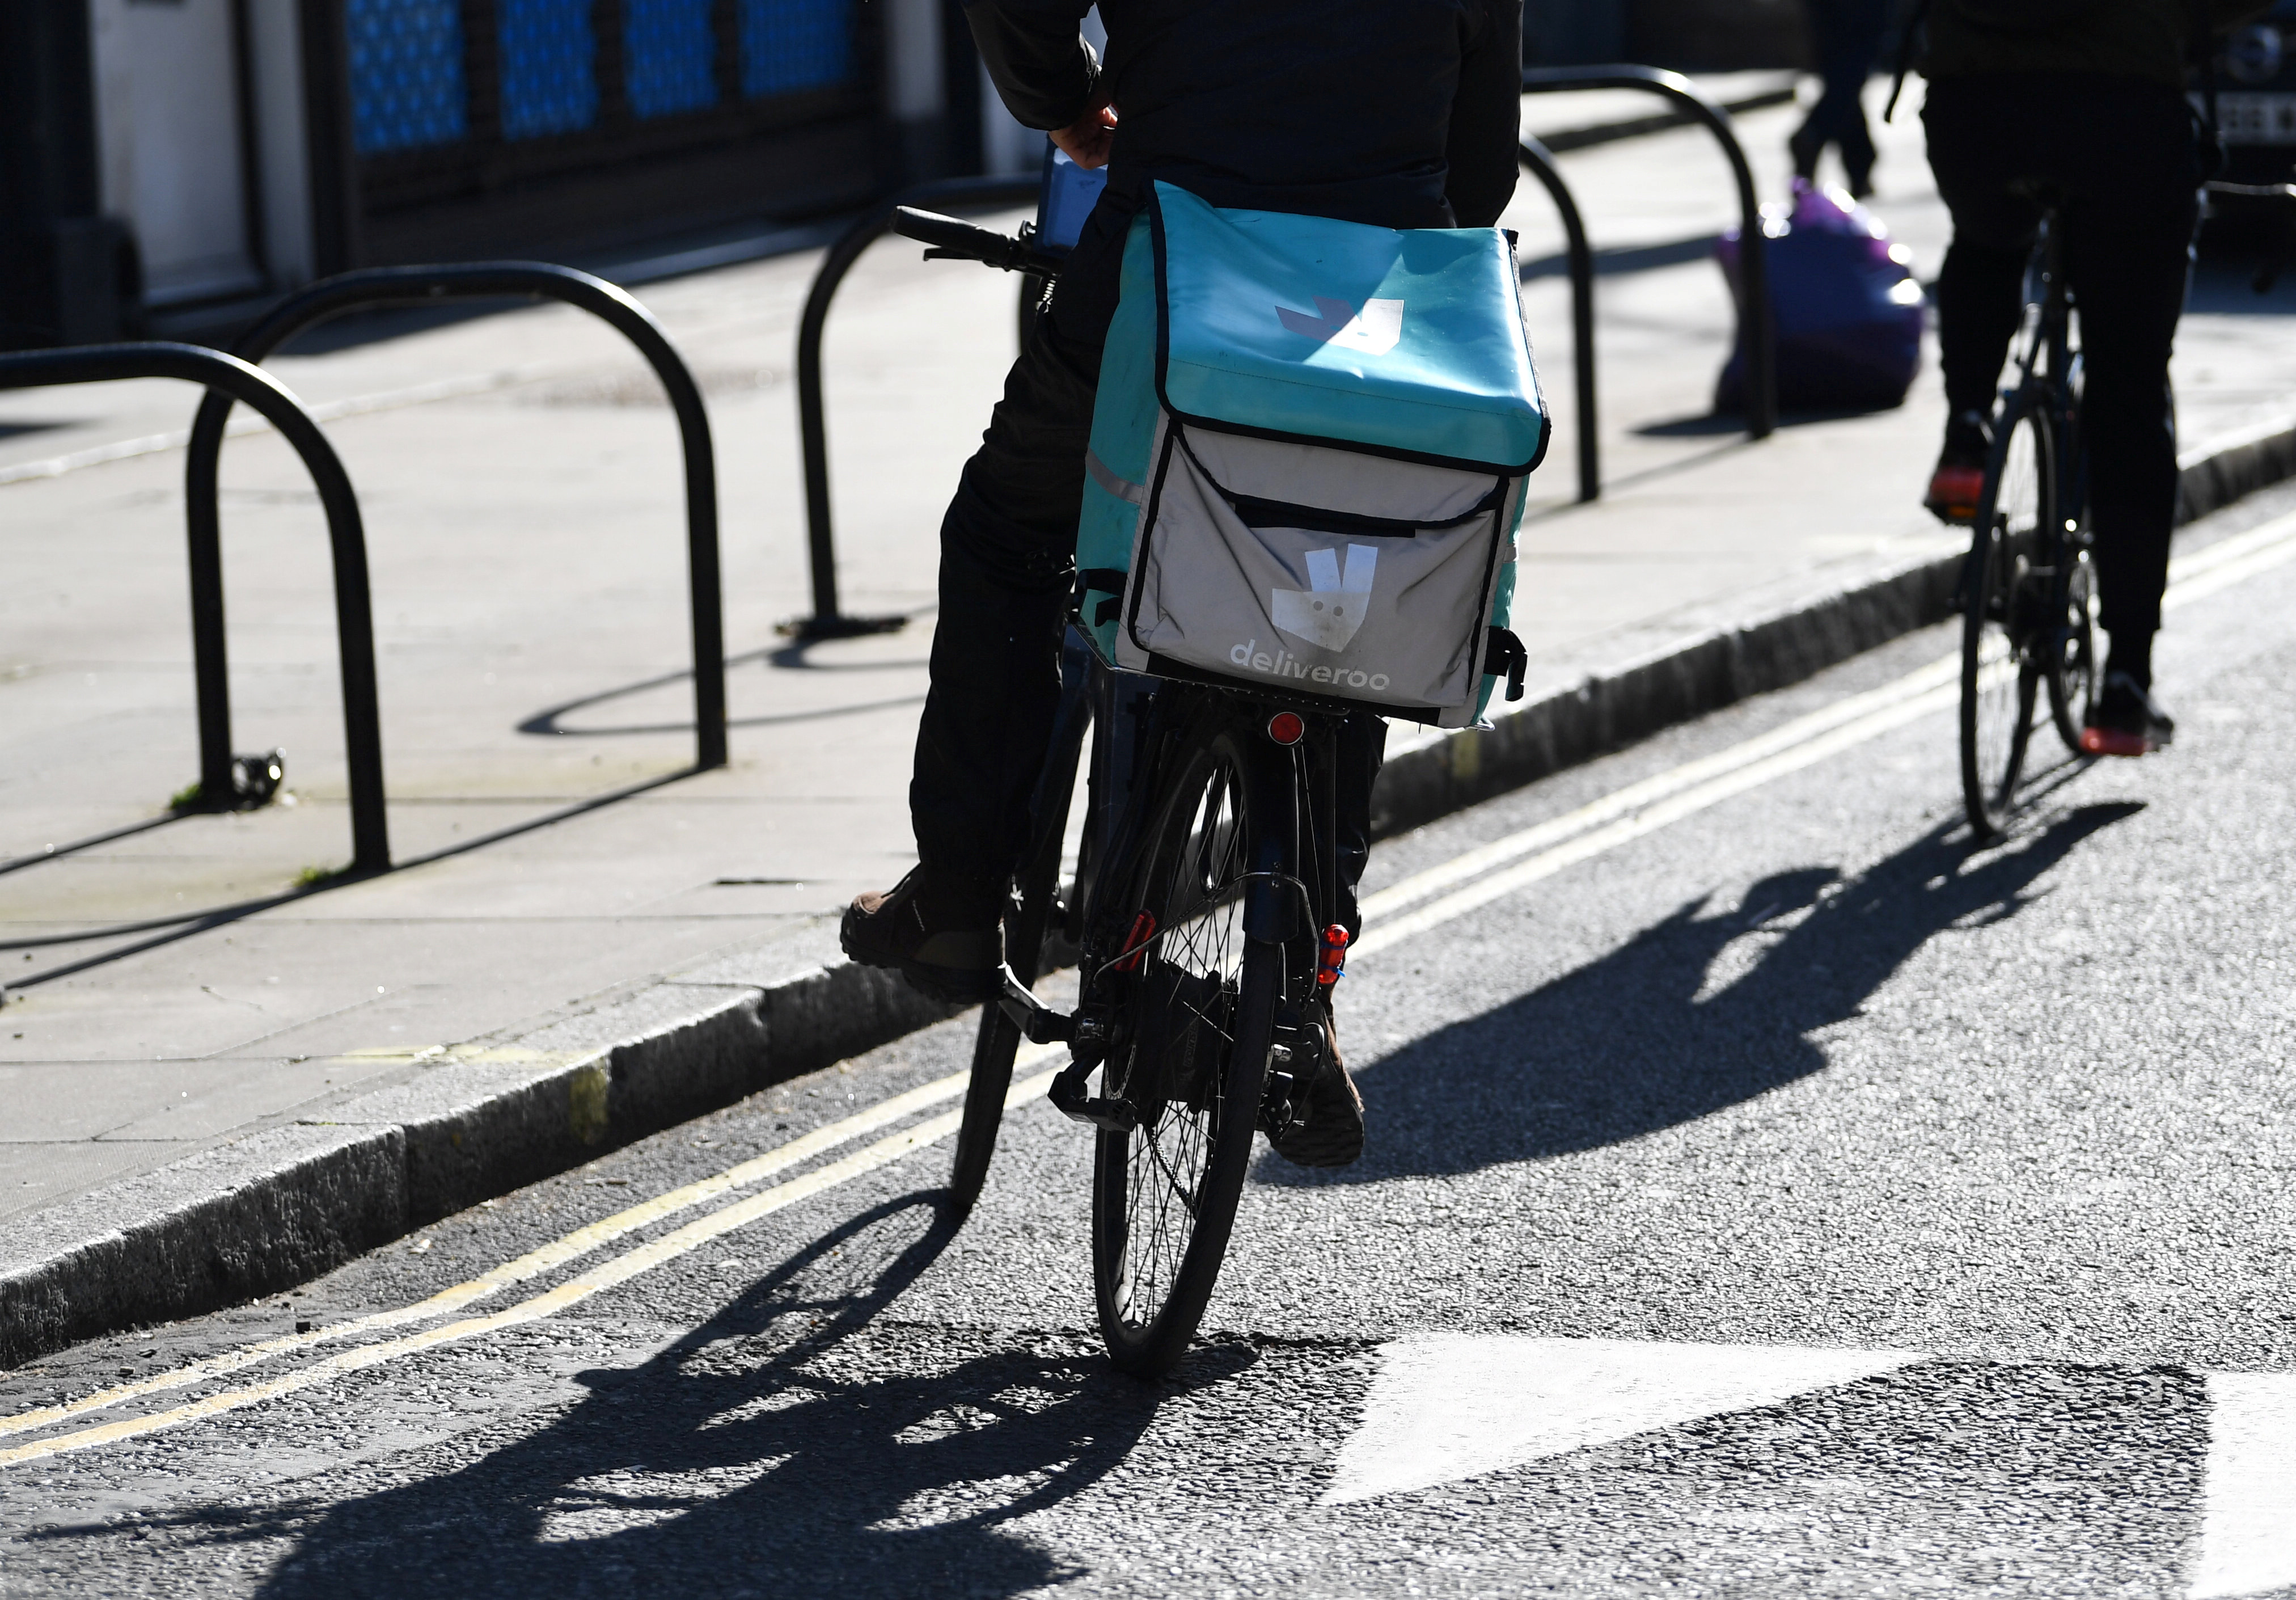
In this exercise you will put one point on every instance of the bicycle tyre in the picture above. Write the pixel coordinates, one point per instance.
(2071, 673)
(1999, 677)
(1184, 1168)
(1025, 928)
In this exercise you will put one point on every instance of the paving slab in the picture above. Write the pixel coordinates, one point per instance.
(585, 937)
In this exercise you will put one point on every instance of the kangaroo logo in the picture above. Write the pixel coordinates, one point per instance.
(1374, 331)
(1330, 609)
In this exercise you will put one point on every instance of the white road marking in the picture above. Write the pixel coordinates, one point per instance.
(2248, 1529)
(1451, 1406)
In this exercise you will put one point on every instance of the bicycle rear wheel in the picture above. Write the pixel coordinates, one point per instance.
(2001, 598)
(1190, 1057)
(2072, 669)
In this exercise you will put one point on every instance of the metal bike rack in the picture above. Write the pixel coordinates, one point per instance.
(1540, 162)
(481, 280)
(227, 375)
(1757, 322)
(827, 621)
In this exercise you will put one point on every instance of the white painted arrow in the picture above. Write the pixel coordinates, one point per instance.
(1450, 1406)
(2248, 1529)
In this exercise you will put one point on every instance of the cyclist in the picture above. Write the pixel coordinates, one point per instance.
(2086, 99)
(1399, 113)
(1848, 36)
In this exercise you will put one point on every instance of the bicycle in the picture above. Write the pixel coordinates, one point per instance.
(1204, 914)
(2028, 590)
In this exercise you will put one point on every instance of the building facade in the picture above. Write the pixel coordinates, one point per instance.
(157, 157)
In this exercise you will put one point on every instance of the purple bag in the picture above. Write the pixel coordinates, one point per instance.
(1849, 313)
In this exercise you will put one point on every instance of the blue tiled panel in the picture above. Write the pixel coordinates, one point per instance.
(788, 44)
(407, 73)
(672, 54)
(548, 82)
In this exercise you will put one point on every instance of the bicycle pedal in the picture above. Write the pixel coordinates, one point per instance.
(1278, 1110)
(1095, 1111)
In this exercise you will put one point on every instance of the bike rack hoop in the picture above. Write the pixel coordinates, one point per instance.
(1757, 320)
(488, 280)
(827, 621)
(228, 378)
(1539, 161)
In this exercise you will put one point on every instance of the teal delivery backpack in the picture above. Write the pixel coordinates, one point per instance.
(1309, 458)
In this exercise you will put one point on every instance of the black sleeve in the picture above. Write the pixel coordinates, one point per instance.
(1042, 69)
(1487, 117)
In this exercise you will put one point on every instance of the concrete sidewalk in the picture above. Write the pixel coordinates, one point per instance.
(583, 945)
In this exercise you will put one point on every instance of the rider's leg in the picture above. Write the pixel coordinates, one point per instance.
(2127, 266)
(2131, 283)
(1362, 742)
(1849, 37)
(1007, 547)
(2128, 232)
(1973, 129)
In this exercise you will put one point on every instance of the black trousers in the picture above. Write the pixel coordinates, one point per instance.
(2122, 152)
(1007, 568)
(1847, 34)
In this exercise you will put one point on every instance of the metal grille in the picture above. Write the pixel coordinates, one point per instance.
(789, 44)
(407, 73)
(672, 54)
(548, 82)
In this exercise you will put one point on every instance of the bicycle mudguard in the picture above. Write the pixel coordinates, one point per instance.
(1277, 907)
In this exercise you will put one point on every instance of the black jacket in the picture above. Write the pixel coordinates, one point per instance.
(1399, 112)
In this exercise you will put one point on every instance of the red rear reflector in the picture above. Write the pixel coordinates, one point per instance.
(1287, 728)
(1143, 929)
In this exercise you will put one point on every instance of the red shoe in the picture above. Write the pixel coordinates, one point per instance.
(2126, 720)
(1958, 482)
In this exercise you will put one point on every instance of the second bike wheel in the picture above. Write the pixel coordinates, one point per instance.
(1999, 677)
(2071, 667)
(1025, 926)
(1191, 1061)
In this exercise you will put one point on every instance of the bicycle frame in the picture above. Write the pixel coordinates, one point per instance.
(1292, 889)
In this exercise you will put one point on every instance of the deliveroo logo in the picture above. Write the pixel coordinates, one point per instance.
(1327, 612)
(1374, 331)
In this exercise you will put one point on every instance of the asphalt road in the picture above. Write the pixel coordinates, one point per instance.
(1773, 1197)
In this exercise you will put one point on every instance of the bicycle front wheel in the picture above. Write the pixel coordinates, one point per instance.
(1190, 1058)
(2002, 600)
(1025, 926)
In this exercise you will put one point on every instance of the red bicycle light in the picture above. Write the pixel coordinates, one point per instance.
(1287, 728)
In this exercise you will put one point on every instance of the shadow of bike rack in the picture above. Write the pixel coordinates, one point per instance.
(422, 286)
(827, 621)
(1539, 163)
(229, 376)
(1757, 324)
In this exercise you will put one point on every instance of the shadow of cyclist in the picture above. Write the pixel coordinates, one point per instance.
(1657, 1032)
(792, 1446)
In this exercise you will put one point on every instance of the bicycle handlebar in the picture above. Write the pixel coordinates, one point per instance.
(950, 239)
(2253, 191)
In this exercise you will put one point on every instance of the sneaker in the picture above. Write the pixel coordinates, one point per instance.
(1331, 1131)
(1958, 482)
(955, 965)
(2124, 720)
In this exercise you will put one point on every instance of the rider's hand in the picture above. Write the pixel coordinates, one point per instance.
(1086, 140)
